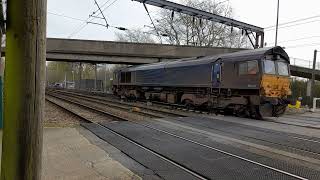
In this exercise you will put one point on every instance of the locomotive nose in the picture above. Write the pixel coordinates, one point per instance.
(275, 86)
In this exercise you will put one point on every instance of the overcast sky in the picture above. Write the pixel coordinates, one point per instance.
(131, 14)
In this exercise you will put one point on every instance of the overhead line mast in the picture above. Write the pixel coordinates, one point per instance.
(248, 28)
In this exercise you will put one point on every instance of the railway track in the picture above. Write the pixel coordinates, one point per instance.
(165, 106)
(174, 162)
(149, 111)
(309, 122)
(155, 104)
(296, 144)
(117, 118)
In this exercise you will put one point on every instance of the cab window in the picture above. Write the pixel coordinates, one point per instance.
(269, 67)
(128, 77)
(283, 69)
(125, 77)
(248, 68)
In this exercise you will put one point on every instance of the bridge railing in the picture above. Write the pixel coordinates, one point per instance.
(303, 63)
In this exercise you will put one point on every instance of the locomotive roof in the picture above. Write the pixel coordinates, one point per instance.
(256, 54)
(253, 54)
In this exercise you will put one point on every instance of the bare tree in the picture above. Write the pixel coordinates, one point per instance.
(182, 29)
(136, 35)
(56, 71)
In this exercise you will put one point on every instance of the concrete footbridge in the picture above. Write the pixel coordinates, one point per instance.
(92, 51)
(123, 52)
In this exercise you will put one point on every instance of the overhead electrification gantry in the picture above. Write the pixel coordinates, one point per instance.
(255, 32)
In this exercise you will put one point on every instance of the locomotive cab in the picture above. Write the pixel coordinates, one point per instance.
(275, 80)
(275, 85)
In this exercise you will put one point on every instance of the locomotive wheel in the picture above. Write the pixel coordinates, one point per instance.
(242, 114)
(255, 113)
(266, 110)
(189, 104)
(227, 112)
(279, 110)
(241, 111)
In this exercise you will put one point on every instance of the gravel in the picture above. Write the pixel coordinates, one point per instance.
(55, 116)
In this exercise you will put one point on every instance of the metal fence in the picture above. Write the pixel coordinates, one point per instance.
(303, 63)
(88, 84)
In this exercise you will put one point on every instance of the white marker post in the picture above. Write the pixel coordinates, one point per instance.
(314, 104)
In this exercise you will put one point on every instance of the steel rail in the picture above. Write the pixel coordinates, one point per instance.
(111, 106)
(295, 137)
(314, 141)
(162, 104)
(133, 142)
(215, 149)
(156, 154)
(271, 142)
(104, 101)
(68, 110)
(89, 107)
(288, 123)
(227, 153)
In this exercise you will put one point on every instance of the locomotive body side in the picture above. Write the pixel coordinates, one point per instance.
(241, 83)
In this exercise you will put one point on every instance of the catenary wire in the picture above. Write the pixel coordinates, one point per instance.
(65, 16)
(294, 21)
(295, 25)
(145, 7)
(302, 45)
(82, 26)
(287, 47)
(298, 39)
(83, 20)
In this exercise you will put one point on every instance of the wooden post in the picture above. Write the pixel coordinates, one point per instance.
(95, 77)
(313, 77)
(24, 88)
(2, 31)
(80, 75)
(105, 78)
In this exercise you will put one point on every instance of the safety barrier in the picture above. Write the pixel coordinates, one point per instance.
(303, 63)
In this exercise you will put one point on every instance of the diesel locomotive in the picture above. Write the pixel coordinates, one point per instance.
(250, 83)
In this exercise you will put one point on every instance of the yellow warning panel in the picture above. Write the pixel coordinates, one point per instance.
(275, 86)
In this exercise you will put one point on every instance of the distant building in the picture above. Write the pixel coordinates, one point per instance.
(69, 84)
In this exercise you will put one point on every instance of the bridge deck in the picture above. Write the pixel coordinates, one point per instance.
(90, 51)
